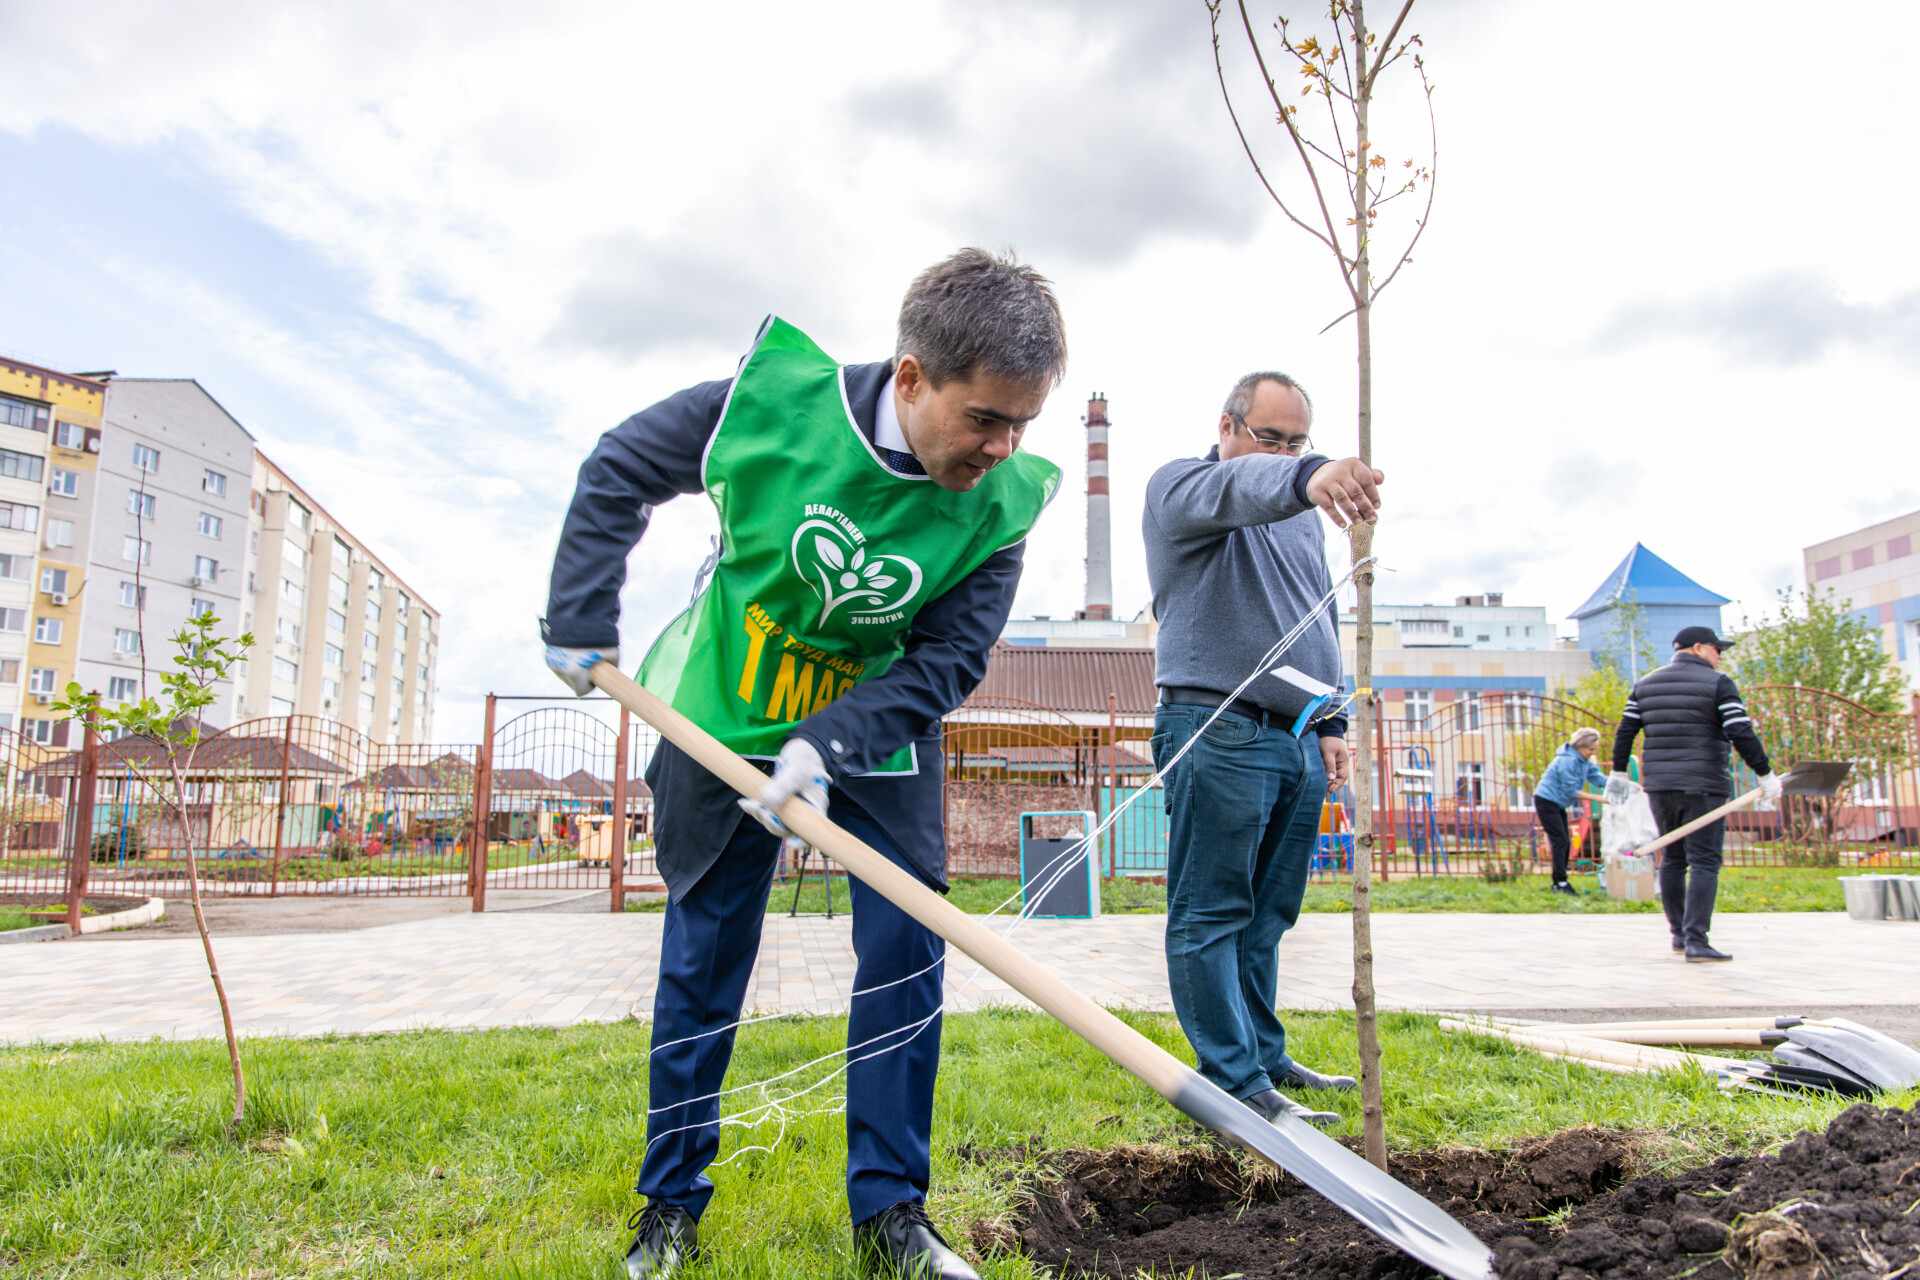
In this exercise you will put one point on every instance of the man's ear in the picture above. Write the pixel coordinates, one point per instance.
(910, 377)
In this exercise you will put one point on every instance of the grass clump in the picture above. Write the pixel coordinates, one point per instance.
(14, 918)
(511, 1153)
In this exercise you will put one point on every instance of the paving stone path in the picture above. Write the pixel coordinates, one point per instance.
(554, 969)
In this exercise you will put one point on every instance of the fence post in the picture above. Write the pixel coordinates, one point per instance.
(1113, 783)
(617, 856)
(1382, 758)
(82, 825)
(482, 811)
(279, 811)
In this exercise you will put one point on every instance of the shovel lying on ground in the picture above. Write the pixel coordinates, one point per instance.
(1808, 778)
(1390, 1210)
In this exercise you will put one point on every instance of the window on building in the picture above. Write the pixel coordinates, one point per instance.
(40, 680)
(40, 731)
(400, 633)
(369, 641)
(1466, 711)
(293, 553)
(1459, 632)
(9, 671)
(17, 515)
(373, 610)
(291, 593)
(423, 673)
(15, 568)
(400, 603)
(206, 568)
(136, 550)
(47, 630)
(209, 525)
(336, 588)
(1482, 639)
(296, 514)
(53, 580)
(13, 621)
(284, 670)
(367, 672)
(140, 504)
(145, 458)
(126, 640)
(342, 553)
(1519, 710)
(20, 466)
(1509, 630)
(330, 692)
(366, 702)
(64, 483)
(133, 595)
(1467, 786)
(214, 483)
(70, 435)
(15, 413)
(420, 698)
(337, 621)
(399, 688)
(1529, 630)
(335, 655)
(286, 629)
(123, 688)
(376, 582)
(59, 533)
(200, 608)
(1419, 705)
(279, 707)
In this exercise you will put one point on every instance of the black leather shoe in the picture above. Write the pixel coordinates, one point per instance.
(1272, 1104)
(1299, 1077)
(902, 1241)
(1705, 955)
(1568, 889)
(665, 1236)
(1679, 943)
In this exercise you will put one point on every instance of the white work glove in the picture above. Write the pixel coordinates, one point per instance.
(1619, 787)
(797, 771)
(572, 665)
(1770, 785)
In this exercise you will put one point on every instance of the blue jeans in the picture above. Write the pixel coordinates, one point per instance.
(707, 953)
(1245, 806)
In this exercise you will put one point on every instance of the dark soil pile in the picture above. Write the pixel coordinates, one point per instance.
(1844, 1205)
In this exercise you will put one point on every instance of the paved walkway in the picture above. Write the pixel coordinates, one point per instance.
(532, 968)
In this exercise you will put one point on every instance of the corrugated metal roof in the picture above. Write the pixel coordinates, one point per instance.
(1070, 679)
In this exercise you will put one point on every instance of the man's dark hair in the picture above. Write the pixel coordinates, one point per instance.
(1240, 399)
(979, 312)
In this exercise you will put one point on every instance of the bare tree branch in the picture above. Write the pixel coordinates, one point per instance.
(1433, 180)
(1386, 45)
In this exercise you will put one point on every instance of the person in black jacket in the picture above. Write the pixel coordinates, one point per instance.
(1690, 712)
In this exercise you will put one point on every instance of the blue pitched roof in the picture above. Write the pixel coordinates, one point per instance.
(1646, 579)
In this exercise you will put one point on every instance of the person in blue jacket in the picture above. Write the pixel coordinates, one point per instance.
(1571, 769)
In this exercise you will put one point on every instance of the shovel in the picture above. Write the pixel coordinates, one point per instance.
(1393, 1212)
(1808, 778)
(1880, 1060)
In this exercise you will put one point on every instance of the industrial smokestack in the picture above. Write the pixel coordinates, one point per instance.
(1099, 518)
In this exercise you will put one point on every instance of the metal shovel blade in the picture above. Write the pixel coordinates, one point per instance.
(1815, 778)
(1880, 1060)
(1794, 1055)
(1396, 1213)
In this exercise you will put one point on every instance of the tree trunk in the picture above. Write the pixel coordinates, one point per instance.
(1373, 1116)
(206, 944)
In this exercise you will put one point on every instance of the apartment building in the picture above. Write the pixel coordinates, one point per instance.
(159, 535)
(49, 439)
(1875, 572)
(340, 633)
(1471, 622)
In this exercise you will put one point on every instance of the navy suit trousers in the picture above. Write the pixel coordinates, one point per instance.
(707, 954)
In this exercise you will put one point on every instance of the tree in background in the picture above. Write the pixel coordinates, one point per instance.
(1338, 74)
(1629, 635)
(1819, 642)
(171, 725)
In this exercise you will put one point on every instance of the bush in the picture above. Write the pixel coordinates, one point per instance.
(106, 844)
(342, 849)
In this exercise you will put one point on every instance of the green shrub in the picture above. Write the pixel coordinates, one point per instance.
(106, 844)
(342, 849)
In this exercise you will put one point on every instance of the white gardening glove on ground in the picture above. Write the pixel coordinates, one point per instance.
(797, 771)
(1770, 785)
(1619, 787)
(572, 665)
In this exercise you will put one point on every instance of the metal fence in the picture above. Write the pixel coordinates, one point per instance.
(553, 798)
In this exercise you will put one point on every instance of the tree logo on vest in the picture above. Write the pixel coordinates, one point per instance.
(830, 554)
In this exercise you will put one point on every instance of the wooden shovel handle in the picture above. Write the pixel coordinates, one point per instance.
(1152, 1065)
(1712, 815)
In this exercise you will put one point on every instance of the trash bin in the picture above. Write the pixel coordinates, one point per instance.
(1059, 877)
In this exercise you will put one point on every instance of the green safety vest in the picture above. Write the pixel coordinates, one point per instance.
(825, 554)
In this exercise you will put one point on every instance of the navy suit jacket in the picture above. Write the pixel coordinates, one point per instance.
(655, 455)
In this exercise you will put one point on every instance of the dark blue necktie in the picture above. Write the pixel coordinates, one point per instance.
(905, 463)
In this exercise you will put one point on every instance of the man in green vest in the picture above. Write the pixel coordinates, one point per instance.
(872, 525)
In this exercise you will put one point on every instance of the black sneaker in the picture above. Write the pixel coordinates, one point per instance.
(1566, 888)
(664, 1237)
(902, 1241)
(1679, 943)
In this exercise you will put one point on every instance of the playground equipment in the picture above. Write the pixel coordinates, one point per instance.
(1333, 847)
(1423, 825)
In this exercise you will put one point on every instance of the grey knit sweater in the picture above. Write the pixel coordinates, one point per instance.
(1235, 557)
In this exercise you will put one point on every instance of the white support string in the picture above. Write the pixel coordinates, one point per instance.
(1063, 864)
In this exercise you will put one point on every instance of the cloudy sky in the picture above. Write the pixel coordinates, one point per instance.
(427, 252)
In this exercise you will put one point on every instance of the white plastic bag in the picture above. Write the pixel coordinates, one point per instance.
(1625, 827)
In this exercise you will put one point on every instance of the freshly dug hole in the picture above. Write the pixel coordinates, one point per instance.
(1850, 1198)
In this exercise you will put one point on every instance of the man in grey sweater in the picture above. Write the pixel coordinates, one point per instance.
(1236, 558)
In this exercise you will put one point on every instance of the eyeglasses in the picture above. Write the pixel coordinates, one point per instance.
(1278, 444)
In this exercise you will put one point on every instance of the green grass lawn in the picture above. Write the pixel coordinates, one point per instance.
(14, 918)
(512, 1153)
(1741, 889)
